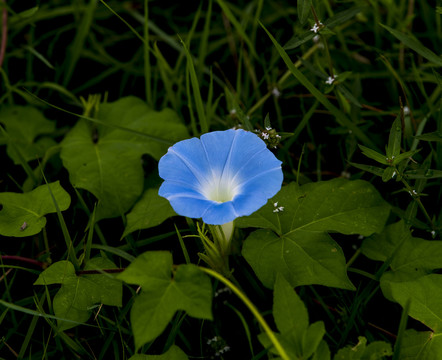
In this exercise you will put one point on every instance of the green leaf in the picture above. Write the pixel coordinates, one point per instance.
(371, 169)
(162, 295)
(434, 136)
(289, 312)
(388, 174)
(302, 257)
(375, 351)
(415, 45)
(300, 249)
(404, 156)
(23, 214)
(78, 294)
(339, 205)
(394, 140)
(312, 338)
(408, 253)
(106, 160)
(151, 210)
(412, 261)
(421, 345)
(26, 127)
(380, 158)
(424, 293)
(304, 10)
(423, 174)
(174, 353)
(322, 352)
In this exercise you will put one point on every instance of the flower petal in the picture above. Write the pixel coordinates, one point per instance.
(186, 161)
(217, 145)
(189, 206)
(220, 213)
(257, 190)
(223, 175)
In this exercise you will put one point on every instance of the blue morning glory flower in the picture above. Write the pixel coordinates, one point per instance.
(219, 177)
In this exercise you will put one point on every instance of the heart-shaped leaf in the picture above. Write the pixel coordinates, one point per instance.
(151, 210)
(23, 214)
(25, 127)
(299, 217)
(106, 160)
(78, 294)
(162, 295)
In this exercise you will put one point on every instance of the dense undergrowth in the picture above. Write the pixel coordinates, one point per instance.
(342, 263)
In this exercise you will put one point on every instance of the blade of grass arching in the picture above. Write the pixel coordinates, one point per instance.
(30, 331)
(88, 213)
(115, 251)
(196, 91)
(124, 21)
(90, 235)
(202, 51)
(53, 86)
(341, 118)
(189, 104)
(244, 325)
(7, 85)
(166, 76)
(237, 26)
(183, 246)
(401, 331)
(64, 229)
(77, 45)
(38, 56)
(97, 121)
(415, 45)
(40, 314)
(147, 66)
(255, 23)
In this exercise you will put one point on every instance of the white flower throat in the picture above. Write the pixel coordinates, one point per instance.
(220, 188)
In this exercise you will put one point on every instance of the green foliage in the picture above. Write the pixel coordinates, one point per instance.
(365, 85)
(164, 292)
(174, 353)
(411, 278)
(151, 210)
(297, 245)
(78, 294)
(24, 214)
(106, 160)
(361, 351)
(27, 133)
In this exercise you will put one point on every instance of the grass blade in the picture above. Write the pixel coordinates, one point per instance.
(341, 118)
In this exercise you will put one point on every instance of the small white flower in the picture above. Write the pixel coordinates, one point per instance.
(394, 173)
(433, 233)
(233, 112)
(345, 174)
(330, 80)
(316, 38)
(268, 128)
(406, 110)
(413, 193)
(276, 92)
(265, 136)
(277, 208)
(315, 27)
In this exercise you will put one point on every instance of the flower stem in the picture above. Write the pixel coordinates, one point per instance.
(252, 308)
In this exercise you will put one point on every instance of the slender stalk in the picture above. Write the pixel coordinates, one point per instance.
(252, 308)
